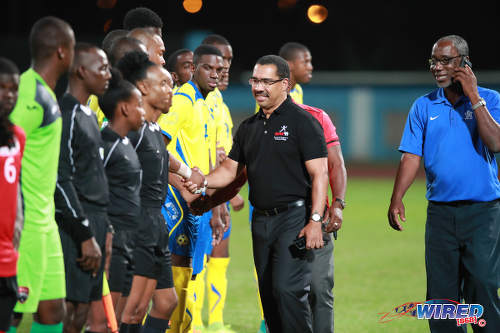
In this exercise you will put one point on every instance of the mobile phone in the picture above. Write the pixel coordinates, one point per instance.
(298, 247)
(455, 84)
(465, 61)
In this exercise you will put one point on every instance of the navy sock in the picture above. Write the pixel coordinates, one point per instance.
(155, 325)
(130, 328)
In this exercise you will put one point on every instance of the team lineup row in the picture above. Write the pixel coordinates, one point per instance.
(116, 177)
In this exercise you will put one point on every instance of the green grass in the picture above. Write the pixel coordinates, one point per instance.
(376, 268)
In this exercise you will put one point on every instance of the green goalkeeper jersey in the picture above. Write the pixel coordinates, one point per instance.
(37, 112)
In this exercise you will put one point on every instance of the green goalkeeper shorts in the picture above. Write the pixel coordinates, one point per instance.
(40, 268)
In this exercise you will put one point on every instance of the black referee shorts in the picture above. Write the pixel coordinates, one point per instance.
(121, 267)
(8, 299)
(151, 255)
(81, 286)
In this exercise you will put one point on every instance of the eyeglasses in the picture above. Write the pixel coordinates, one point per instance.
(444, 61)
(265, 82)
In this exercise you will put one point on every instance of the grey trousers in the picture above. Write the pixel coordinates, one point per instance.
(462, 258)
(321, 296)
(284, 281)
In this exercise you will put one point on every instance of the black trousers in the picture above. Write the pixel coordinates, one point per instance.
(462, 257)
(284, 281)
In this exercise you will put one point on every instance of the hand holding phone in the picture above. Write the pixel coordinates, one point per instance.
(465, 61)
(456, 84)
(298, 247)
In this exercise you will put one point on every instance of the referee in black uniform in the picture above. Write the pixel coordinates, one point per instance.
(122, 106)
(284, 151)
(82, 196)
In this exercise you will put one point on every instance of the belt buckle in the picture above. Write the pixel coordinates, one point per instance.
(275, 210)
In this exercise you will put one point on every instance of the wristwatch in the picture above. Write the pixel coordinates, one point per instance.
(316, 217)
(481, 102)
(342, 202)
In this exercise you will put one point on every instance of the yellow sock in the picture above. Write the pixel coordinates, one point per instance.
(199, 292)
(217, 288)
(186, 326)
(258, 293)
(182, 276)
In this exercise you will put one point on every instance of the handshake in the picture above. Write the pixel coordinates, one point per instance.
(195, 181)
(195, 184)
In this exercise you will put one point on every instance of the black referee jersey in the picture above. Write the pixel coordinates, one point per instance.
(124, 177)
(81, 177)
(153, 155)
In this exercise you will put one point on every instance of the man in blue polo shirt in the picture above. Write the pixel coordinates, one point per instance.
(456, 130)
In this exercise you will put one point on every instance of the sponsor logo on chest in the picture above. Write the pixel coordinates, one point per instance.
(469, 115)
(282, 134)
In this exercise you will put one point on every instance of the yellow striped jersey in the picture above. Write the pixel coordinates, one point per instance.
(224, 123)
(186, 126)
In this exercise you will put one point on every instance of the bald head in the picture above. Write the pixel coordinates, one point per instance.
(111, 37)
(152, 41)
(123, 46)
(49, 34)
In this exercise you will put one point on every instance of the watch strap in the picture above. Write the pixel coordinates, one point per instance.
(342, 202)
(481, 102)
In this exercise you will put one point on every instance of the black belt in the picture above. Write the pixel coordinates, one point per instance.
(279, 210)
(458, 203)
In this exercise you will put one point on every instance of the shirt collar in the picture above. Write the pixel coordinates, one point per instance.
(280, 109)
(283, 106)
(197, 93)
(441, 98)
(107, 132)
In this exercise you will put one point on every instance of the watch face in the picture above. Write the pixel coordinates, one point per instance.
(316, 217)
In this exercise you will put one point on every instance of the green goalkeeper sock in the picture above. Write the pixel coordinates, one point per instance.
(39, 328)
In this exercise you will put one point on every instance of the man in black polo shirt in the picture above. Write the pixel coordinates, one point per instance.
(283, 149)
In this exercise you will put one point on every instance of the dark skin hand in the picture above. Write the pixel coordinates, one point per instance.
(216, 222)
(333, 218)
(407, 172)
(205, 203)
(197, 177)
(217, 225)
(226, 217)
(91, 256)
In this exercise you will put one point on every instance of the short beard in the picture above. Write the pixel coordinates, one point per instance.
(444, 84)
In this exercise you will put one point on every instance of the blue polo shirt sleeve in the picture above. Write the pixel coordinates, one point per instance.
(492, 99)
(413, 134)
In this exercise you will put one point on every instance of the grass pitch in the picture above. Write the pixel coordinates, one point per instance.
(376, 268)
